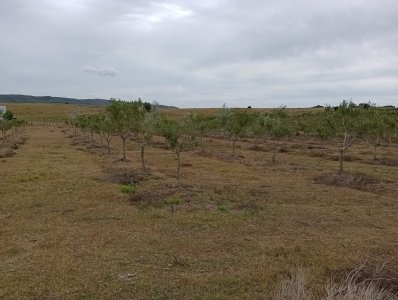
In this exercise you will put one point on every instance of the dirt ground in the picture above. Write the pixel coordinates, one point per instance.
(240, 225)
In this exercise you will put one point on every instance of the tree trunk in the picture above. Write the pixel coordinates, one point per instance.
(275, 151)
(124, 147)
(375, 149)
(274, 155)
(178, 166)
(108, 141)
(233, 147)
(108, 138)
(100, 136)
(341, 160)
(142, 157)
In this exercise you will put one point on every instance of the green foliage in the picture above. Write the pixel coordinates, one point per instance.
(378, 124)
(147, 106)
(200, 125)
(9, 122)
(173, 200)
(128, 188)
(5, 126)
(120, 114)
(234, 123)
(222, 207)
(125, 118)
(274, 125)
(348, 122)
(8, 115)
(177, 133)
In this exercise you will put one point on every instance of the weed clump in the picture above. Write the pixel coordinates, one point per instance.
(172, 201)
(128, 188)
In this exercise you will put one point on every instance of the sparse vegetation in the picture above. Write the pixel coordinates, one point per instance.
(128, 188)
(80, 224)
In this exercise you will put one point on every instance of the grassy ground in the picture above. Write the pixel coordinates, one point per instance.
(242, 224)
(40, 112)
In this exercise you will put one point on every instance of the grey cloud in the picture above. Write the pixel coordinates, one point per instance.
(102, 70)
(202, 53)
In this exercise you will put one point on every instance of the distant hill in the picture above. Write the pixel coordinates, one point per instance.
(58, 100)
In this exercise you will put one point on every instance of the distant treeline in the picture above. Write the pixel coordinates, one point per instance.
(57, 100)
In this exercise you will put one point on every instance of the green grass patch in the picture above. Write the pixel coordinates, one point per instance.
(128, 188)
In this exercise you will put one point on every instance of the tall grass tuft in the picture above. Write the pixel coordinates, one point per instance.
(294, 288)
(353, 287)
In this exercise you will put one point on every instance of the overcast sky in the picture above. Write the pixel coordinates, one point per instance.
(202, 53)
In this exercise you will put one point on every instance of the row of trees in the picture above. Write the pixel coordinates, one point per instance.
(141, 121)
(9, 124)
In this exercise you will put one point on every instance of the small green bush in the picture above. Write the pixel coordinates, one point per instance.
(128, 188)
(173, 200)
(222, 207)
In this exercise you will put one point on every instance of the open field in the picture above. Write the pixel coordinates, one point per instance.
(241, 226)
(40, 112)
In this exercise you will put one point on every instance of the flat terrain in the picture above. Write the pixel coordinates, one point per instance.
(242, 224)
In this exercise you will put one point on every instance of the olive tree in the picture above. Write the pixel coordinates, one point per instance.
(178, 136)
(201, 124)
(107, 129)
(234, 123)
(120, 113)
(348, 123)
(144, 126)
(5, 126)
(82, 122)
(377, 127)
(273, 126)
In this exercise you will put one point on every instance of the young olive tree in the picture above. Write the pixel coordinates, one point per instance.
(5, 126)
(107, 130)
(82, 122)
(8, 123)
(73, 122)
(392, 125)
(274, 126)
(201, 124)
(93, 126)
(145, 124)
(347, 122)
(120, 113)
(234, 123)
(377, 127)
(178, 136)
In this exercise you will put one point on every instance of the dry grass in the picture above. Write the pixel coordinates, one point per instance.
(294, 288)
(39, 112)
(66, 230)
(354, 286)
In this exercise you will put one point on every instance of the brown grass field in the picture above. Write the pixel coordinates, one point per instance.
(243, 223)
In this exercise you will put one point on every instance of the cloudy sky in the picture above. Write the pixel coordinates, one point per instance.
(202, 53)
